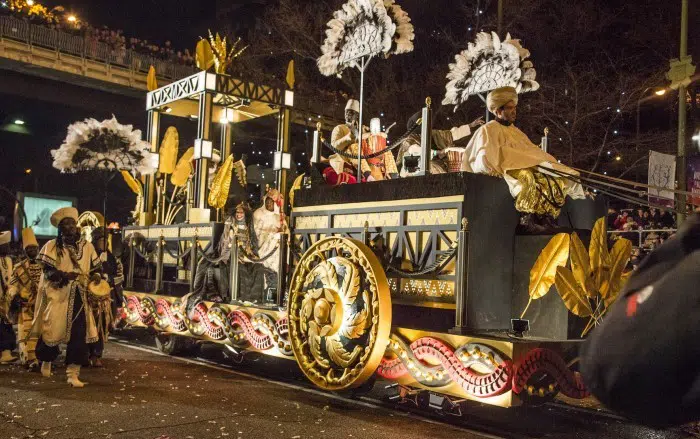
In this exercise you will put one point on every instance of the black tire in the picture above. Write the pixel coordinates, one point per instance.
(357, 392)
(176, 345)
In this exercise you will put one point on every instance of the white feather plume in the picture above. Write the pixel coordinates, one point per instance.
(106, 145)
(489, 63)
(364, 28)
(404, 36)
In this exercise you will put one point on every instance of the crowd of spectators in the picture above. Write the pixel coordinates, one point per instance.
(116, 41)
(645, 227)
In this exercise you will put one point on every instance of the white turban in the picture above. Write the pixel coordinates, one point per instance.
(63, 213)
(352, 105)
(500, 97)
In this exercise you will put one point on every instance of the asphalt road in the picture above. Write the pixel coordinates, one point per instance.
(144, 394)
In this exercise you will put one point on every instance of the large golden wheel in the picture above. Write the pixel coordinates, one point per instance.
(339, 313)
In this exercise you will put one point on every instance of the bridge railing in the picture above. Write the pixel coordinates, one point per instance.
(88, 48)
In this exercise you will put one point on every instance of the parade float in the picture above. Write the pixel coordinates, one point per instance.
(421, 281)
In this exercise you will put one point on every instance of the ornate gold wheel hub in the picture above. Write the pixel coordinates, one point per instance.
(339, 313)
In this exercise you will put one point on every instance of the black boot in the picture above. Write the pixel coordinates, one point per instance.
(530, 225)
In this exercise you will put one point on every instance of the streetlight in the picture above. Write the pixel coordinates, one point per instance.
(19, 122)
(72, 18)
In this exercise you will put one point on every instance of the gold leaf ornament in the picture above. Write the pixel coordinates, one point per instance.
(598, 253)
(290, 75)
(204, 56)
(222, 55)
(571, 293)
(133, 184)
(221, 185)
(168, 151)
(151, 82)
(543, 273)
(581, 265)
(295, 187)
(183, 169)
(619, 257)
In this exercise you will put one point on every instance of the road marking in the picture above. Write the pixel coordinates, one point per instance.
(215, 366)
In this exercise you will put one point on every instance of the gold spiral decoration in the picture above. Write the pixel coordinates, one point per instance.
(339, 313)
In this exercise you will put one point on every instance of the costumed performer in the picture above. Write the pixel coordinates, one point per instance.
(104, 308)
(382, 167)
(8, 340)
(269, 222)
(344, 138)
(24, 288)
(409, 153)
(501, 149)
(62, 313)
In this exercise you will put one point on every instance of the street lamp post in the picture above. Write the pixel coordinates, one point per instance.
(659, 92)
(682, 115)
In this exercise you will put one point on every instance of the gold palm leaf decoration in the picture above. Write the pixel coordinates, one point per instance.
(295, 186)
(598, 251)
(593, 282)
(223, 56)
(555, 254)
(204, 56)
(241, 173)
(581, 265)
(183, 169)
(168, 151)
(221, 185)
(151, 82)
(133, 184)
(619, 257)
(574, 297)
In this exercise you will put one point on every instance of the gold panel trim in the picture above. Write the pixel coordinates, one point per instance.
(432, 217)
(311, 222)
(420, 288)
(203, 231)
(375, 219)
(391, 203)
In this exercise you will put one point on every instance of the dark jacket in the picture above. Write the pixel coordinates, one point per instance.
(644, 359)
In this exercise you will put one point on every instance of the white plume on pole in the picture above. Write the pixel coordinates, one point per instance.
(364, 28)
(486, 64)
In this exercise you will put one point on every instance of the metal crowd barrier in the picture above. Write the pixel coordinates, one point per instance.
(641, 232)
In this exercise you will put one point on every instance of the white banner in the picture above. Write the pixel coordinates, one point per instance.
(662, 173)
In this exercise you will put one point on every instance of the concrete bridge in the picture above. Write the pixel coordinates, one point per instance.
(32, 54)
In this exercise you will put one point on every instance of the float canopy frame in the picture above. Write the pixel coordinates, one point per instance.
(247, 99)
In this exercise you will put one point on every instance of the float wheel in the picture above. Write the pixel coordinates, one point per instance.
(339, 311)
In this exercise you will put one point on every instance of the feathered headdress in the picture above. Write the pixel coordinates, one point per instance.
(364, 28)
(487, 64)
(106, 145)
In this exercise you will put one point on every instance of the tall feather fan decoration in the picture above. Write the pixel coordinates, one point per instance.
(489, 63)
(364, 28)
(168, 151)
(106, 145)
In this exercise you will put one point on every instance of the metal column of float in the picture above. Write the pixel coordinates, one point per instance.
(283, 163)
(202, 154)
(153, 134)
